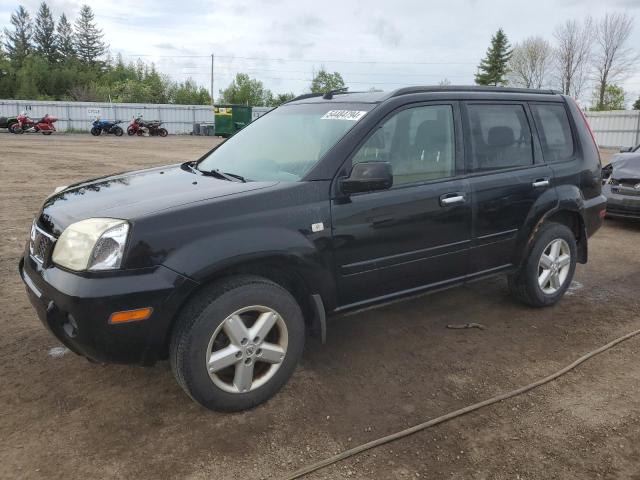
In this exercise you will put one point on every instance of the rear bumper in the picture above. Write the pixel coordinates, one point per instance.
(593, 214)
(76, 309)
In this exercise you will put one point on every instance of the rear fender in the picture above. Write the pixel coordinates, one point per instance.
(564, 204)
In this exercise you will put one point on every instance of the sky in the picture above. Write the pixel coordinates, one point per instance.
(372, 43)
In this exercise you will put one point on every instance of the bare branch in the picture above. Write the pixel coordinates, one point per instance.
(530, 63)
(613, 61)
(572, 55)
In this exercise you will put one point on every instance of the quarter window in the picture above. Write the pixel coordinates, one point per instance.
(554, 130)
(500, 137)
(419, 143)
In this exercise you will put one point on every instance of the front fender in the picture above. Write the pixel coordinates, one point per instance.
(204, 258)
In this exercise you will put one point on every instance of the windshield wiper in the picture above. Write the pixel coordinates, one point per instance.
(232, 177)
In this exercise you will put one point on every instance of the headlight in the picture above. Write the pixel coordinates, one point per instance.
(92, 244)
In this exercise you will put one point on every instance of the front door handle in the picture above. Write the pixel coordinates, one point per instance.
(541, 183)
(449, 199)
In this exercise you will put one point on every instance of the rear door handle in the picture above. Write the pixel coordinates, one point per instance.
(541, 183)
(449, 199)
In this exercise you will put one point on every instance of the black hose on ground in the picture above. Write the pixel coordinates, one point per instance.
(471, 408)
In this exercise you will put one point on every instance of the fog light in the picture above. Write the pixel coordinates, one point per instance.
(130, 315)
(70, 327)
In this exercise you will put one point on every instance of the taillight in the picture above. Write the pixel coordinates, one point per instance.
(586, 122)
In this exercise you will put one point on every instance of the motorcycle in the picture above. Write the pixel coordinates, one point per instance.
(107, 127)
(28, 125)
(140, 127)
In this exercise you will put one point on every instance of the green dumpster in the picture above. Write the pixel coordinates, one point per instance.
(231, 118)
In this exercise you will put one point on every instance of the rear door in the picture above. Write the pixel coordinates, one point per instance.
(417, 233)
(507, 176)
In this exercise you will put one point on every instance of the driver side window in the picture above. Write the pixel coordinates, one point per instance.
(418, 142)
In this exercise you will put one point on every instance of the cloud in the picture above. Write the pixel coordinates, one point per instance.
(407, 41)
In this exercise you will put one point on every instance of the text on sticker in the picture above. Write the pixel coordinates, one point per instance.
(352, 115)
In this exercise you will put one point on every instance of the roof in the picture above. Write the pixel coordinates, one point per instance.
(376, 97)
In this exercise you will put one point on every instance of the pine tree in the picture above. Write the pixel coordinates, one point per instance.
(493, 68)
(18, 42)
(88, 38)
(44, 34)
(65, 38)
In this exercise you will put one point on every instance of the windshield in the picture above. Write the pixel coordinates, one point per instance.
(286, 143)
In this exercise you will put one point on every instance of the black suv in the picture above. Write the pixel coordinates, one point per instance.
(326, 204)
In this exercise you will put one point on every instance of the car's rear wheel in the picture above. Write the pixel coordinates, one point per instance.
(548, 270)
(237, 343)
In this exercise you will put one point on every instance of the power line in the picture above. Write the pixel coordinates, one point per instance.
(273, 59)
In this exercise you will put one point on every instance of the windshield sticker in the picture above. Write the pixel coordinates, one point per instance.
(352, 115)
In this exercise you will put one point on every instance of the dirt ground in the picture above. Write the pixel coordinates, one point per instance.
(381, 370)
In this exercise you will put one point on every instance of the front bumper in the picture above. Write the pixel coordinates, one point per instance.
(76, 309)
(623, 206)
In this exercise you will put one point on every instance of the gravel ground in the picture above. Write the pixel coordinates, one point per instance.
(381, 370)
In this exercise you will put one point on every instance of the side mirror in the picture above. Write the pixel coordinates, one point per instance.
(368, 177)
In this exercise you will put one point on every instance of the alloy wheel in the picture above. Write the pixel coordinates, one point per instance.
(247, 349)
(554, 266)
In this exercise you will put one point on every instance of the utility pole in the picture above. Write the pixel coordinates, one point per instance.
(212, 60)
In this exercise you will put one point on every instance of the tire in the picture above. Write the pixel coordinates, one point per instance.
(117, 131)
(536, 285)
(15, 128)
(163, 132)
(48, 132)
(202, 328)
(96, 131)
(131, 131)
(10, 127)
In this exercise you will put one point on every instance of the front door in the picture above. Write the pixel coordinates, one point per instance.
(417, 233)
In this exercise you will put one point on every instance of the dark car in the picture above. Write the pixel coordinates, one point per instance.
(327, 204)
(6, 122)
(621, 186)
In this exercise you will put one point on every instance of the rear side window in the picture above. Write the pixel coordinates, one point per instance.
(500, 137)
(554, 130)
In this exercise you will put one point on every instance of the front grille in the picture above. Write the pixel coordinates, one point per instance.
(40, 245)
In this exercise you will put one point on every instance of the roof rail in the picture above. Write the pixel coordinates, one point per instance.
(469, 88)
(326, 95)
(306, 95)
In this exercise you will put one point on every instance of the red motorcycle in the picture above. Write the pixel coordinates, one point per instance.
(140, 127)
(28, 125)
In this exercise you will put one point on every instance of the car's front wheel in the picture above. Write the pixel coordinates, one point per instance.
(237, 343)
(547, 272)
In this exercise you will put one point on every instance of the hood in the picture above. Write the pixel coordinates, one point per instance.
(625, 165)
(135, 194)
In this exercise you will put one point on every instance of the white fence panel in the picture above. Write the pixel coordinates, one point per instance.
(77, 116)
(618, 128)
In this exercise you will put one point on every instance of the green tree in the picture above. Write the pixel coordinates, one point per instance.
(493, 68)
(245, 90)
(189, 93)
(324, 81)
(613, 98)
(7, 85)
(18, 41)
(65, 40)
(88, 44)
(44, 34)
(636, 105)
(279, 99)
